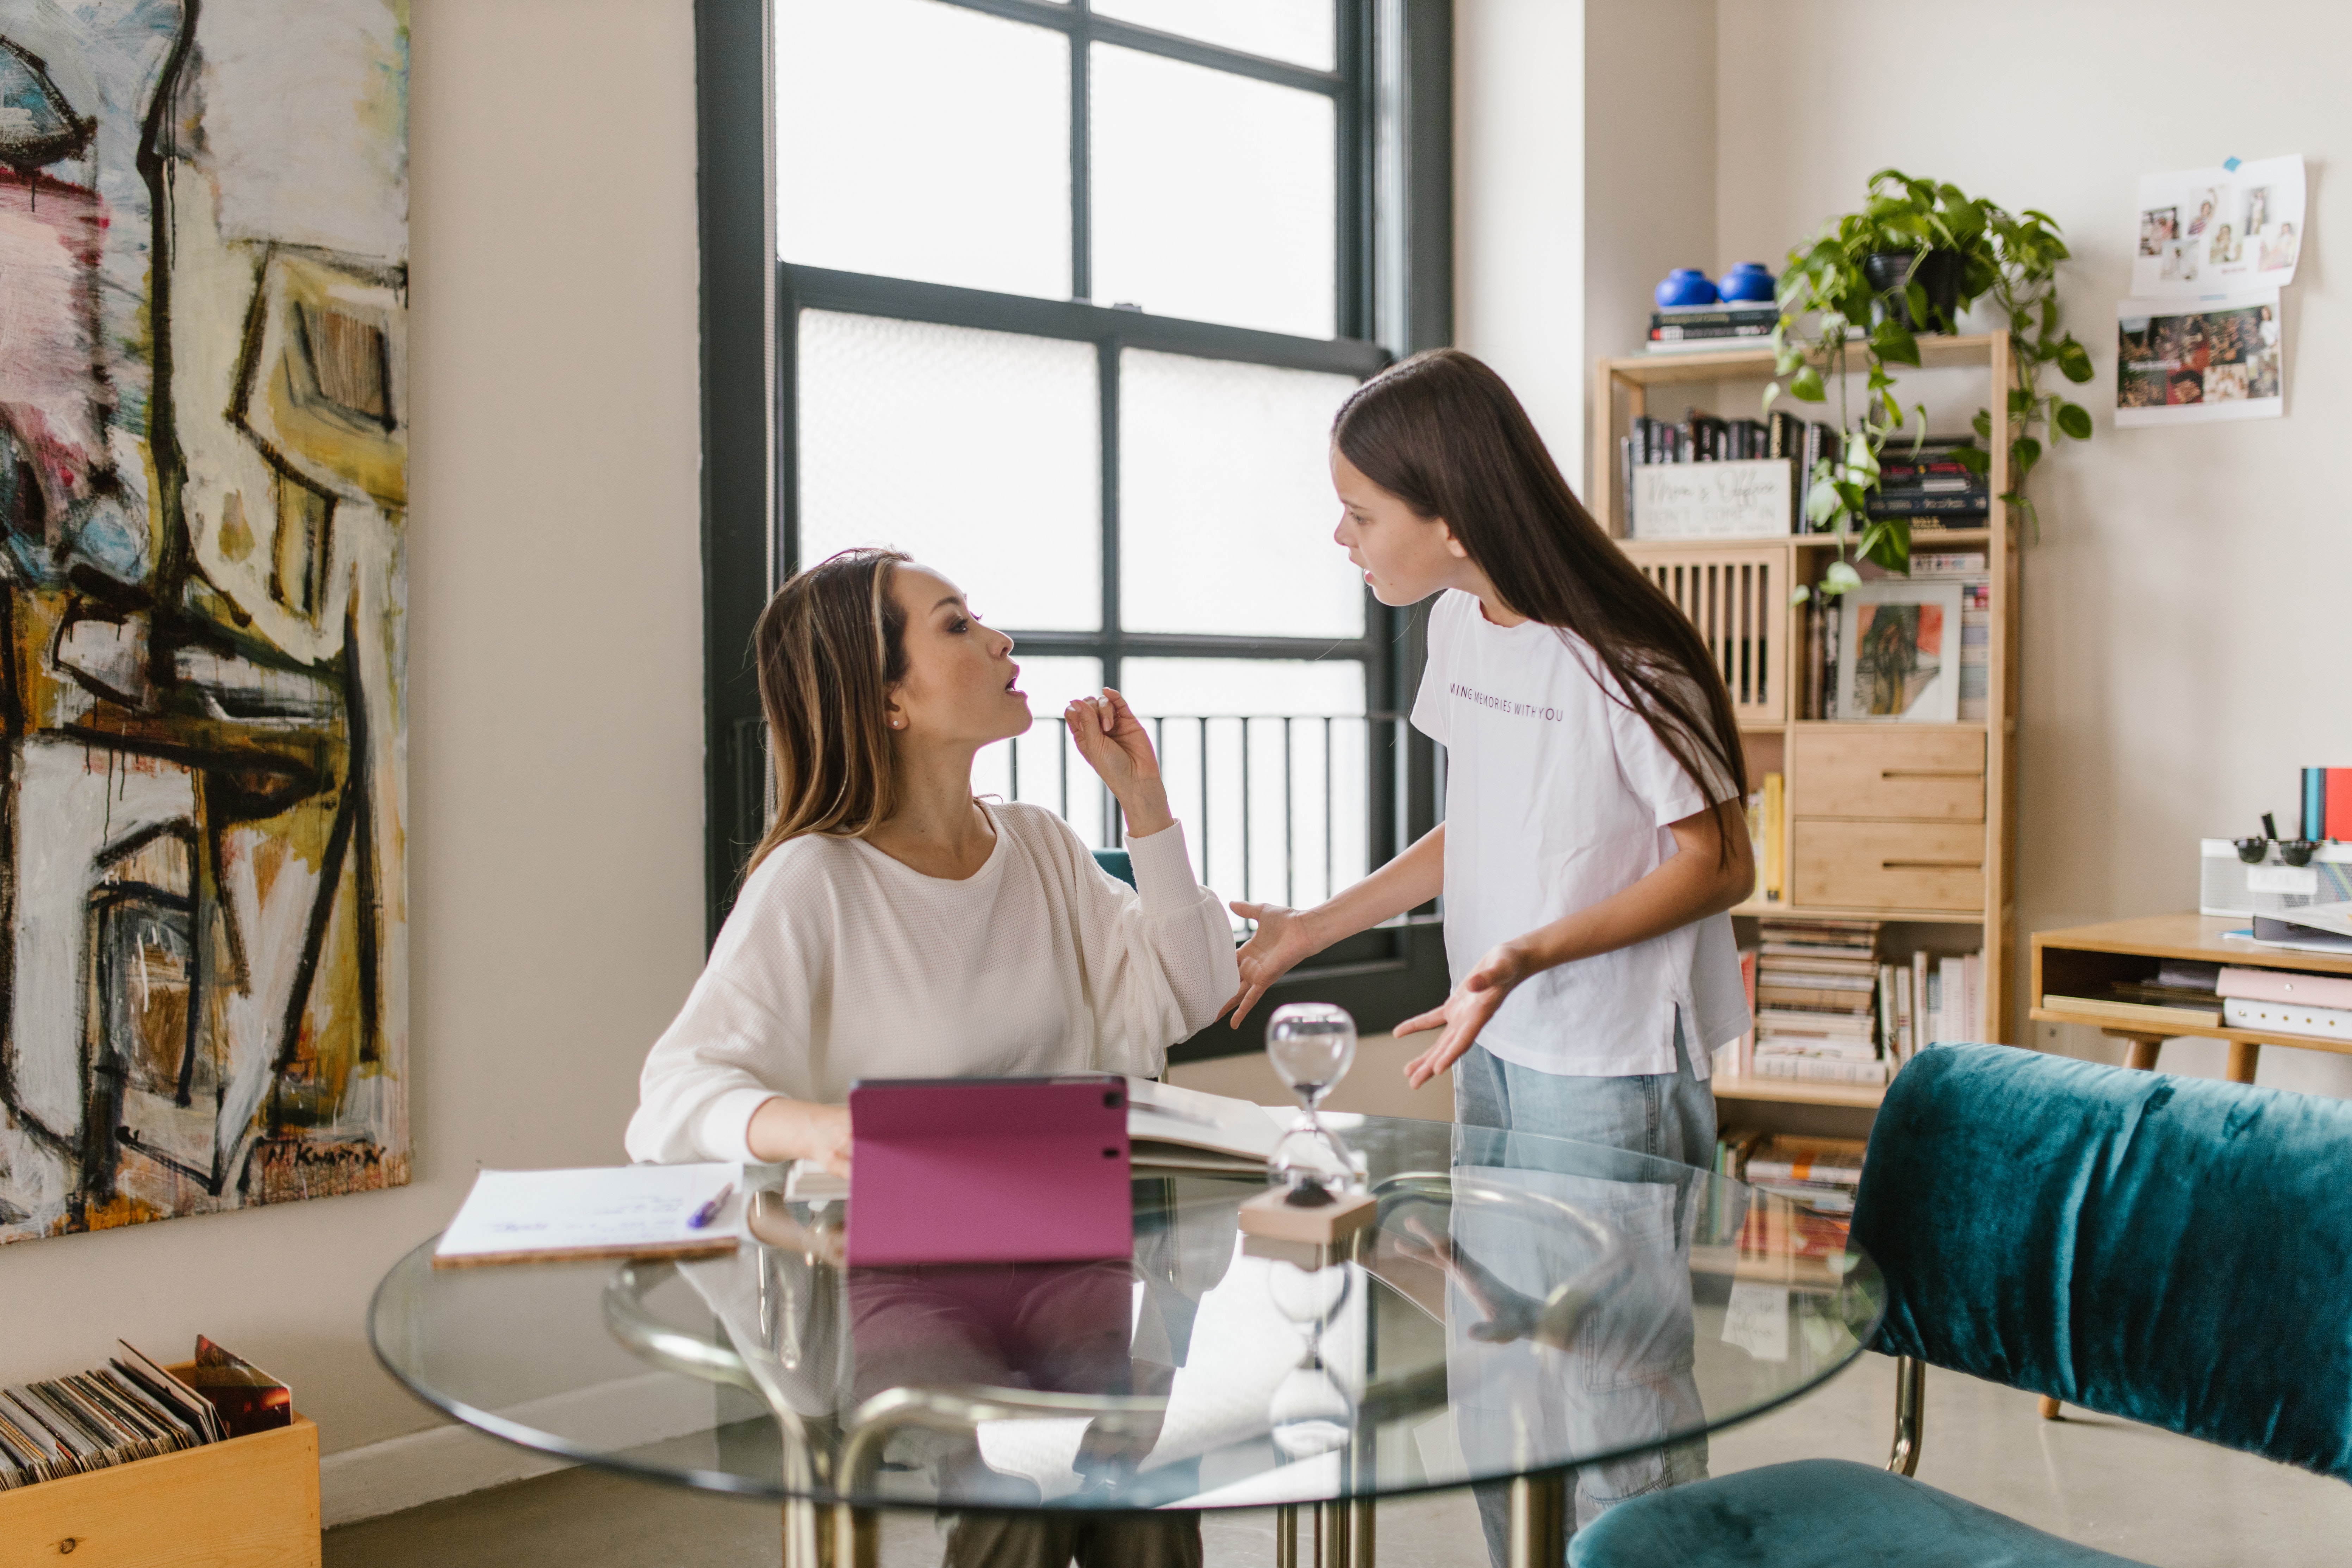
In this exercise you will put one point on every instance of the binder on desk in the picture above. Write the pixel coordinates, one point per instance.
(1009, 1170)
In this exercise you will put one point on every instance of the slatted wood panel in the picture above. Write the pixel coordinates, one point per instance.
(1738, 596)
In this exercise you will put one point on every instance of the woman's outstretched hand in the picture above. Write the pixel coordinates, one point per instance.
(1280, 943)
(1464, 1014)
(1115, 744)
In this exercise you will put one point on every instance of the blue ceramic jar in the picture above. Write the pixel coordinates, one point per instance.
(1748, 283)
(1685, 285)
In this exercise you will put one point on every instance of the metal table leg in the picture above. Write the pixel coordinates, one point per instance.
(820, 1535)
(1286, 1538)
(1539, 1525)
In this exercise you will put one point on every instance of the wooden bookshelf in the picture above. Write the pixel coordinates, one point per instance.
(1901, 823)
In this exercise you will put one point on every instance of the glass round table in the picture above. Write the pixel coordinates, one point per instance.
(1544, 1316)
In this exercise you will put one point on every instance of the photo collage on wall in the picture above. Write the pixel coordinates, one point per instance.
(2199, 340)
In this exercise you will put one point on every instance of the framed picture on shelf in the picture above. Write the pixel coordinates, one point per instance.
(1901, 642)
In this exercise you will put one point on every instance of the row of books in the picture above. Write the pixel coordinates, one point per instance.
(1829, 1009)
(132, 1408)
(1700, 437)
(1930, 480)
(1684, 328)
(1815, 1002)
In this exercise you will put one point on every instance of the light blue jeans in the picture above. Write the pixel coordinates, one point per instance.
(1630, 1371)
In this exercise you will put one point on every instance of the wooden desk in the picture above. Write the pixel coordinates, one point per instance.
(2081, 961)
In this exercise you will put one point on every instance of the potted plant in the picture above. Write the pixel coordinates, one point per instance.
(1916, 257)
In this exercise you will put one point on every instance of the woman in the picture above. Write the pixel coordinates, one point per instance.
(891, 925)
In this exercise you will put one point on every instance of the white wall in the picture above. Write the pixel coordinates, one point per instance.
(2183, 642)
(1584, 171)
(555, 689)
(1519, 197)
(2183, 647)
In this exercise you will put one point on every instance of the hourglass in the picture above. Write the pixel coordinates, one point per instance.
(1311, 1045)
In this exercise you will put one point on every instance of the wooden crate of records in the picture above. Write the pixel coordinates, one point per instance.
(248, 1501)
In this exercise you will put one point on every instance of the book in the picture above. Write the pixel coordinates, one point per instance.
(1915, 503)
(1832, 1161)
(2132, 1012)
(1716, 314)
(2286, 985)
(1749, 958)
(1709, 332)
(2288, 1018)
(1923, 1023)
(1805, 996)
(1814, 1070)
(1173, 1129)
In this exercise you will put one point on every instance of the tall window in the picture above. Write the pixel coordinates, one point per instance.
(1067, 294)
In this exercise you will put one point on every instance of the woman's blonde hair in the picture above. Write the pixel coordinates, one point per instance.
(829, 647)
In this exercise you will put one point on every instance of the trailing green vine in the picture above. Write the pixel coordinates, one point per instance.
(2008, 262)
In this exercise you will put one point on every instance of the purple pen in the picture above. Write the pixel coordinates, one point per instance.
(709, 1210)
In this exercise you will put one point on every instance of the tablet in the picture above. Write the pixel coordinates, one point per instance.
(988, 1170)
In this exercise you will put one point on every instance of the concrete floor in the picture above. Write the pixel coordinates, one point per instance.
(2129, 1489)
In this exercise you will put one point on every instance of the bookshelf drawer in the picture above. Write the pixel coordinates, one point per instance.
(1890, 865)
(1936, 776)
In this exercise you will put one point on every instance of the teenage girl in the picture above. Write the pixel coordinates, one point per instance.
(1593, 845)
(1593, 839)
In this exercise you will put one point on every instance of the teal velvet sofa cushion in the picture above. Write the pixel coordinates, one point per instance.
(1118, 863)
(1818, 1513)
(2172, 1251)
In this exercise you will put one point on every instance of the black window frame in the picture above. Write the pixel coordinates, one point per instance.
(1392, 91)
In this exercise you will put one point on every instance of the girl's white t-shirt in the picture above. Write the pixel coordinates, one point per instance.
(1558, 795)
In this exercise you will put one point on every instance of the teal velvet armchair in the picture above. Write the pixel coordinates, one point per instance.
(1118, 863)
(2174, 1251)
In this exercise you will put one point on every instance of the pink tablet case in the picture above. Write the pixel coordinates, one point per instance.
(1008, 1169)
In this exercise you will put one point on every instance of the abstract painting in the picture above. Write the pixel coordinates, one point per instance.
(203, 435)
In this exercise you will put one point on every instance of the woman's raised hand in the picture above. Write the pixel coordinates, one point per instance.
(1115, 744)
(1281, 942)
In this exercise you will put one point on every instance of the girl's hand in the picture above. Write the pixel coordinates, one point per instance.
(1115, 745)
(1464, 1013)
(1281, 942)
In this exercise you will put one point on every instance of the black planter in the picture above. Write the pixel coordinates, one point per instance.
(1938, 276)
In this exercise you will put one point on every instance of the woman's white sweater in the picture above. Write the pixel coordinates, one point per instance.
(840, 963)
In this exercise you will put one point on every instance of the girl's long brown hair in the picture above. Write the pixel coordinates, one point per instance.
(1442, 433)
(829, 647)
